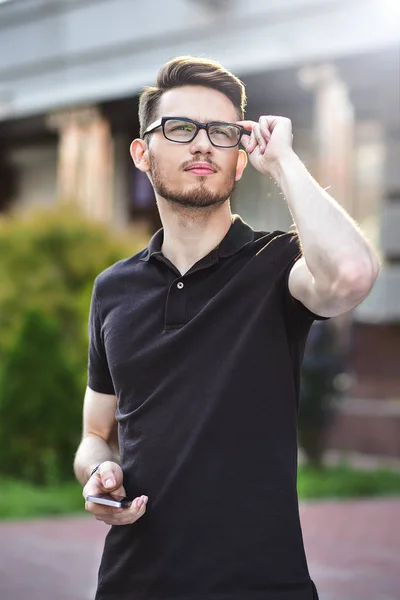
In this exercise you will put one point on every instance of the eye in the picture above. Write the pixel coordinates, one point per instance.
(220, 131)
(182, 127)
(225, 130)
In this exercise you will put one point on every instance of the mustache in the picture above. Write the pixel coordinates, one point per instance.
(188, 163)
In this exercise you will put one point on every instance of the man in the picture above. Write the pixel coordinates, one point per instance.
(195, 352)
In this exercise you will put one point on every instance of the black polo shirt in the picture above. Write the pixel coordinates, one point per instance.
(206, 369)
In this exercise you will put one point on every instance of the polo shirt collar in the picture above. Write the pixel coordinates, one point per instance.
(239, 235)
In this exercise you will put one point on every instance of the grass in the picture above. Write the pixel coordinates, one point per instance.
(342, 481)
(19, 500)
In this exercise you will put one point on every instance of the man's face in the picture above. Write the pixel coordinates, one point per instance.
(170, 162)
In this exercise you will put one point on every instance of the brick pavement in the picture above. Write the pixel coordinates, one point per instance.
(353, 551)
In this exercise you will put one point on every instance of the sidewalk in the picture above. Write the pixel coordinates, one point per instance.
(353, 548)
(353, 551)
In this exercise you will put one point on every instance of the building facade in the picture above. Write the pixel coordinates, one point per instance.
(70, 75)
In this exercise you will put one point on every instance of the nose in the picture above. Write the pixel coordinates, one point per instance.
(201, 144)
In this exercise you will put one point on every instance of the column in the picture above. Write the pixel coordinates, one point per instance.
(333, 141)
(85, 161)
(333, 132)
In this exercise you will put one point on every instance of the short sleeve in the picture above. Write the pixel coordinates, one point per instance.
(287, 254)
(99, 377)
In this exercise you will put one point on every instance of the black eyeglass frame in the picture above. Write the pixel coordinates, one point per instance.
(161, 123)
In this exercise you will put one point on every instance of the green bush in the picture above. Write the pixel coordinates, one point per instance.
(48, 263)
(39, 411)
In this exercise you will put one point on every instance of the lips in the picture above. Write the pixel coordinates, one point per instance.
(201, 169)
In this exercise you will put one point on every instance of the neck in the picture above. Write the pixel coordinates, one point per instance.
(191, 234)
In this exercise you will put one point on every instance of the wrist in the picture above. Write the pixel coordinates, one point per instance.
(280, 165)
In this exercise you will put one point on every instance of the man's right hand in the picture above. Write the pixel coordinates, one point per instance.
(108, 480)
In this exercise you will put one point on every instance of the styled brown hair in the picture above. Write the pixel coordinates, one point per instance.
(188, 70)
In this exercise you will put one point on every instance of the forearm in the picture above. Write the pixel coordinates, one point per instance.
(332, 243)
(92, 451)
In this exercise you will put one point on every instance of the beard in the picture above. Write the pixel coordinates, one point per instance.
(198, 197)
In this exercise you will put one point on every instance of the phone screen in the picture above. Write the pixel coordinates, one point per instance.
(107, 500)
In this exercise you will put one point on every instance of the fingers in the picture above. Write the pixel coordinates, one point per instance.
(259, 138)
(246, 124)
(100, 511)
(245, 141)
(119, 516)
(260, 135)
(110, 475)
(108, 478)
(263, 130)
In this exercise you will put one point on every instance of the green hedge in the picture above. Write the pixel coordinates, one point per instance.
(48, 263)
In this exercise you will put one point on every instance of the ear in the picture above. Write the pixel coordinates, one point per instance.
(241, 164)
(140, 155)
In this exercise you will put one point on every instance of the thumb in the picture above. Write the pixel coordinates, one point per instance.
(245, 141)
(110, 475)
(248, 126)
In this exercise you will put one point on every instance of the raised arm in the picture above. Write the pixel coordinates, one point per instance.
(339, 266)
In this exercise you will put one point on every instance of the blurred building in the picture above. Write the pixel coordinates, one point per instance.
(70, 75)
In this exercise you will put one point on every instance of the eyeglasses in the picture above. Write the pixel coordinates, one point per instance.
(182, 131)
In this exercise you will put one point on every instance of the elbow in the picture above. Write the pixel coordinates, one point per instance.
(356, 281)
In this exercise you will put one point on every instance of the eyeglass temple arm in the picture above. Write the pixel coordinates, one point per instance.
(151, 129)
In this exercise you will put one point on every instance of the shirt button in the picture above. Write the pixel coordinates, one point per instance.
(179, 285)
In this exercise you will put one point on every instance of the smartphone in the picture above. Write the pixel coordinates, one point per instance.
(107, 500)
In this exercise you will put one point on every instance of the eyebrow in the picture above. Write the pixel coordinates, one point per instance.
(200, 120)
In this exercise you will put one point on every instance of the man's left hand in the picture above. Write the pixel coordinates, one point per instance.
(271, 139)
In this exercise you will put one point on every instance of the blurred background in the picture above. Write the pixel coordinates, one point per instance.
(71, 201)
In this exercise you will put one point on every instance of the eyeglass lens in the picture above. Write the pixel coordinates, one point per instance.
(220, 134)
